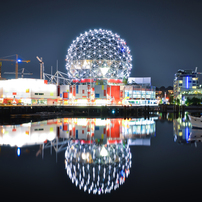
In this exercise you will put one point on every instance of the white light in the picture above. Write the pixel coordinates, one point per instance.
(103, 152)
(104, 70)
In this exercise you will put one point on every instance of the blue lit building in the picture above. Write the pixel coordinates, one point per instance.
(185, 80)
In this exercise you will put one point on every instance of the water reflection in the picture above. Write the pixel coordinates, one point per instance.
(96, 167)
(40, 133)
(97, 151)
(184, 133)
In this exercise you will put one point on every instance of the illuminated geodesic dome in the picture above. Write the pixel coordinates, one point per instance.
(97, 168)
(98, 54)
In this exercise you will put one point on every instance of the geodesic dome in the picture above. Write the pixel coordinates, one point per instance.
(98, 54)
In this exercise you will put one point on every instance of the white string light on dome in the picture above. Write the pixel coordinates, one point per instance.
(111, 51)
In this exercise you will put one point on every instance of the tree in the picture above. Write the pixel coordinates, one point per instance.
(169, 88)
(178, 101)
(195, 101)
(162, 88)
(125, 81)
(171, 99)
(188, 101)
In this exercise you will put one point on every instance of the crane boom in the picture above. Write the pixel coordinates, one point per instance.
(16, 60)
(40, 60)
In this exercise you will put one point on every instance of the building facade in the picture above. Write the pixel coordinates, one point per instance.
(185, 80)
(83, 92)
(27, 91)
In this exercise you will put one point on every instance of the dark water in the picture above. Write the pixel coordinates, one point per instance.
(166, 162)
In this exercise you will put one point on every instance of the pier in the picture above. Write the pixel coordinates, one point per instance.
(79, 111)
(176, 108)
(57, 111)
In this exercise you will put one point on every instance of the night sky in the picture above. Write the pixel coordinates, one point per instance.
(163, 36)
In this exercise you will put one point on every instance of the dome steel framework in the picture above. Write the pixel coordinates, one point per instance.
(97, 168)
(98, 54)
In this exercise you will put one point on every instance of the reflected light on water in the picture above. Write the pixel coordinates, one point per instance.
(97, 151)
(37, 133)
(18, 151)
(97, 168)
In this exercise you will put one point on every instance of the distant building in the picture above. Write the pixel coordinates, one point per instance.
(140, 80)
(185, 80)
(164, 95)
(140, 95)
(140, 92)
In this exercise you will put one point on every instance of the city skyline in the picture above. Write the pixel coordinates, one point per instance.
(163, 36)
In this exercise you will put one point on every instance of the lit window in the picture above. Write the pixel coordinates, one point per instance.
(180, 81)
(193, 86)
(195, 78)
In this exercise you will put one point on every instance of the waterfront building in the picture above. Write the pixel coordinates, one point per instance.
(139, 91)
(185, 80)
(27, 91)
(39, 92)
(140, 95)
(98, 64)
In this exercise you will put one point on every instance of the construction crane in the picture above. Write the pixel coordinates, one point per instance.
(16, 60)
(41, 67)
(22, 73)
(196, 68)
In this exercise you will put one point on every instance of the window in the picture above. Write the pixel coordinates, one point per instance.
(38, 129)
(39, 93)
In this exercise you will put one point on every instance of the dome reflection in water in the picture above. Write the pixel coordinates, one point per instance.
(97, 167)
(98, 157)
(97, 151)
